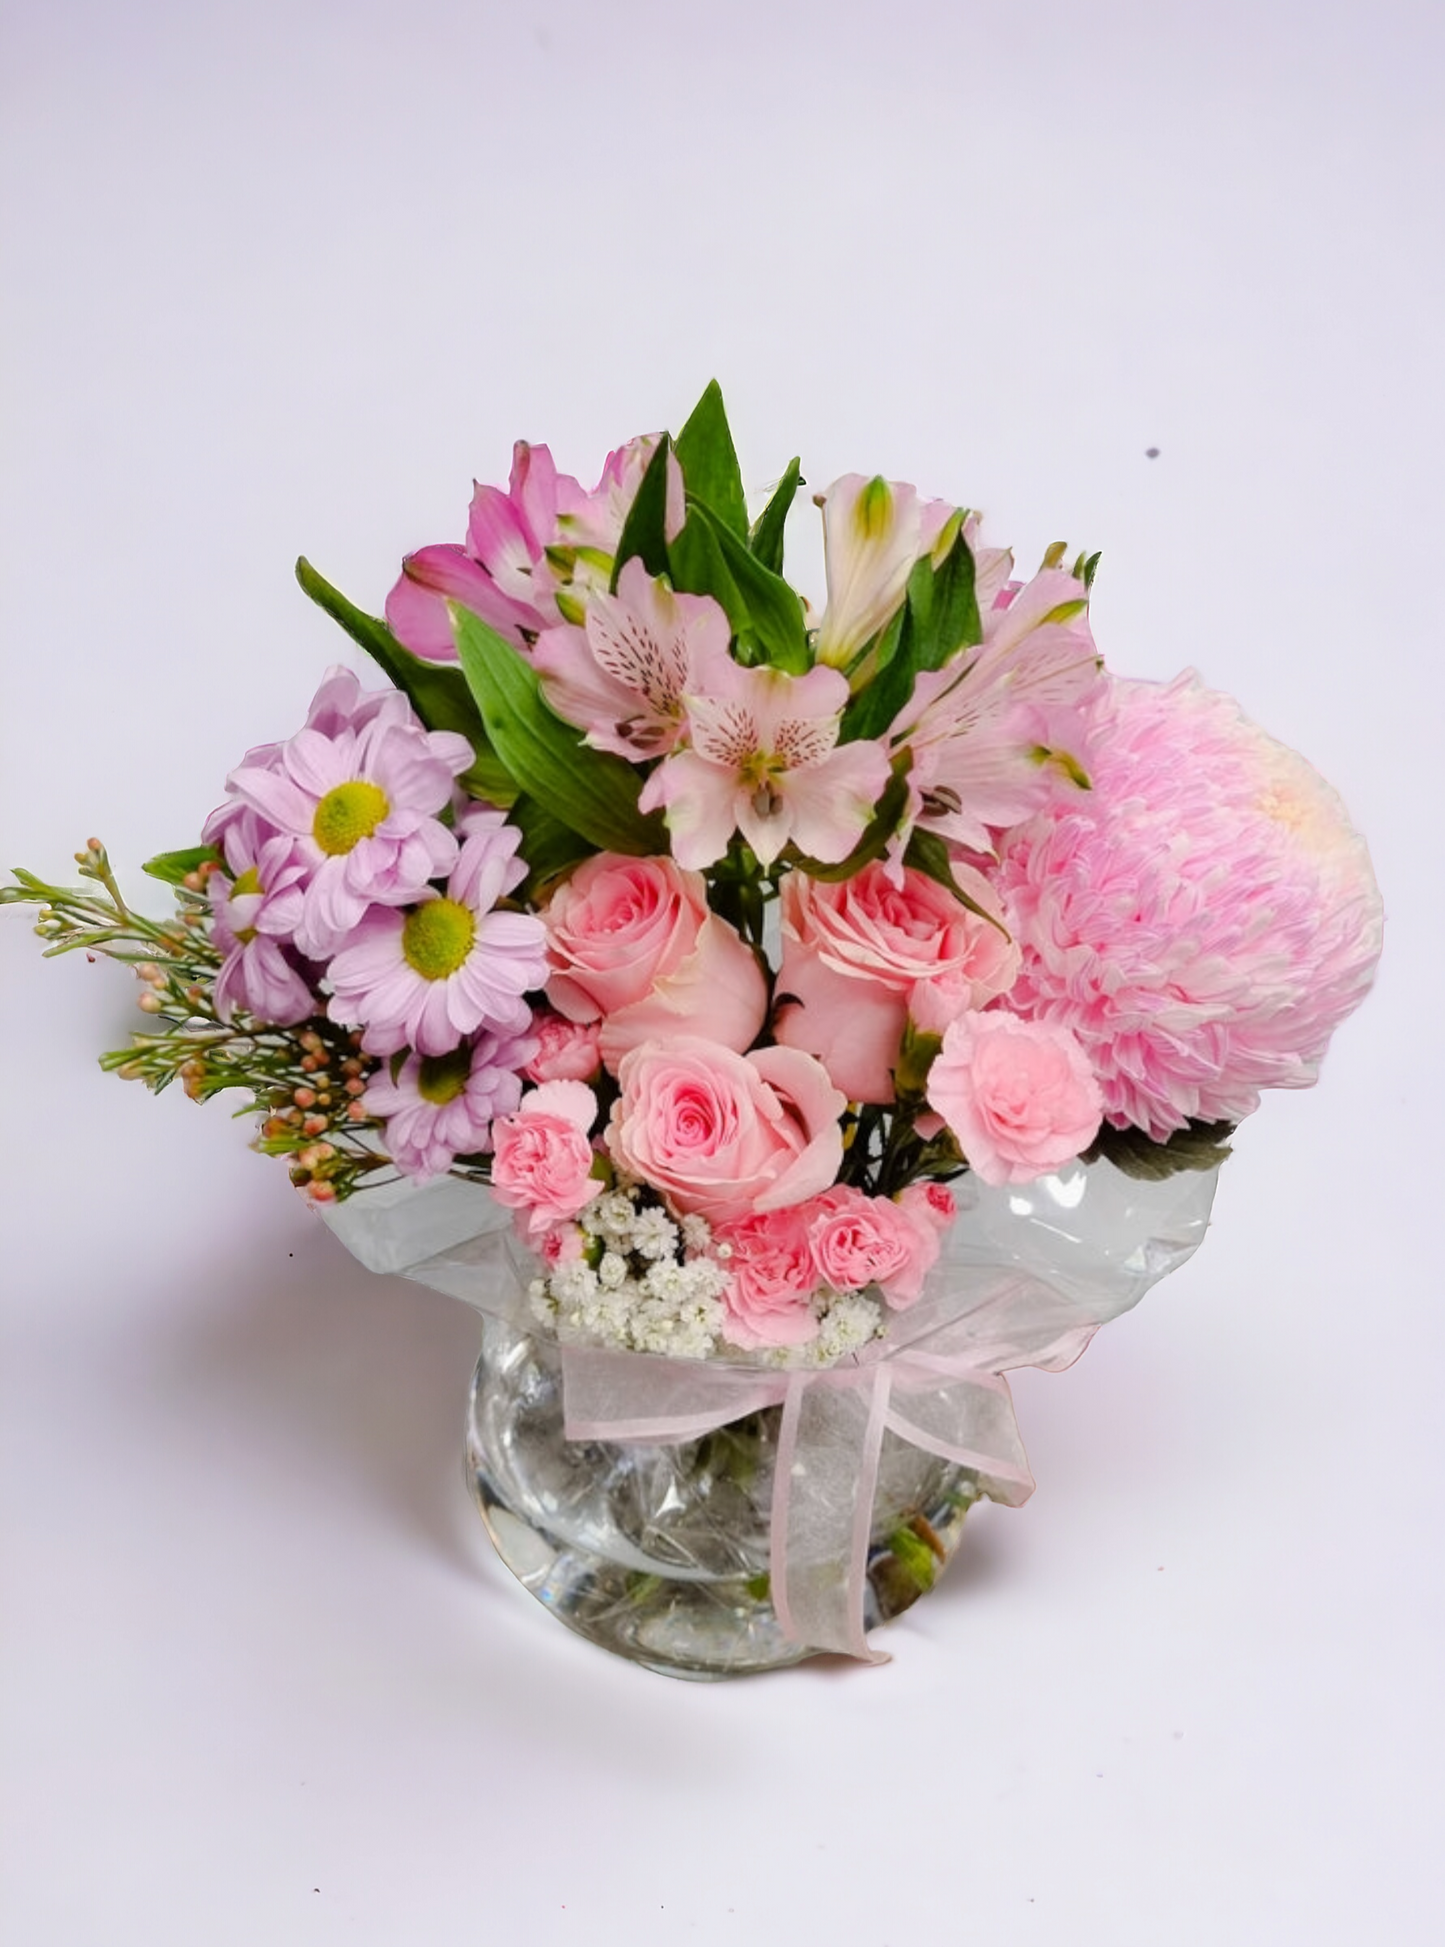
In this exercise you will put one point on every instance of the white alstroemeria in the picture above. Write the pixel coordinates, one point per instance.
(874, 534)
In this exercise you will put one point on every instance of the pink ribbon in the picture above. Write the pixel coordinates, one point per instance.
(937, 1393)
(1028, 1274)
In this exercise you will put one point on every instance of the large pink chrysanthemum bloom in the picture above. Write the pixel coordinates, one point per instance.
(359, 800)
(428, 978)
(1203, 920)
(440, 1107)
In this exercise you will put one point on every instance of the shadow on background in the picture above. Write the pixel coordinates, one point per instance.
(302, 1362)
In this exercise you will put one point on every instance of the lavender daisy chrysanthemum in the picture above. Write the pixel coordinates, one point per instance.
(253, 917)
(358, 790)
(439, 1107)
(427, 978)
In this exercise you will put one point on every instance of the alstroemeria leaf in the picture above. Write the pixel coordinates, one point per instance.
(644, 532)
(173, 867)
(590, 791)
(437, 691)
(1198, 1146)
(696, 567)
(951, 621)
(927, 853)
(938, 618)
(709, 461)
(766, 539)
(548, 845)
(774, 612)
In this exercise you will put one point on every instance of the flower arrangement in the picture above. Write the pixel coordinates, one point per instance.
(719, 936)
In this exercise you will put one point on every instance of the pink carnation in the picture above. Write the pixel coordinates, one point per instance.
(566, 1050)
(1017, 1095)
(1203, 920)
(773, 1278)
(859, 1240)
(929, 1204)
(542, 1165)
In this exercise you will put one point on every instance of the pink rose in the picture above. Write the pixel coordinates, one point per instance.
(542, 1160)
(859, 1240)
(769, 1300)
(723, 1134)
(1019, 1096)
(634, 942)
(860, 955)
(567, 1050)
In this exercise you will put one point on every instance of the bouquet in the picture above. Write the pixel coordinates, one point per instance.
(722, 937)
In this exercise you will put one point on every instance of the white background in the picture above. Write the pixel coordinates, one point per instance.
(284, 279)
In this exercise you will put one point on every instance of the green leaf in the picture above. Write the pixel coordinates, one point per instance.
(438, 691)
(709, 461)
(1198, 1146)
(644, 532)
(927, 853)
(766, 539)
(549, 846)
(591, 792)
(939, 617)
(952, 619)
(773, 611)
(173, 867)
(874, 842)
(696, 567)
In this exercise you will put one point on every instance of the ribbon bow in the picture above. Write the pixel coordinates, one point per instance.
(1027, 1275)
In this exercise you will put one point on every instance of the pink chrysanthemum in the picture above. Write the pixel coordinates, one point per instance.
(1207, 918)
(357, 790)
(427, 978)
(253, 917)
(440, 1107)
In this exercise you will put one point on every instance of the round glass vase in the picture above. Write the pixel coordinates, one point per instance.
(660, 1553)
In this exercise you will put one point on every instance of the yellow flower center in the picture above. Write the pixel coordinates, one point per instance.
(347, 814)
(437, 938)
(247, 884)
(443, 1077)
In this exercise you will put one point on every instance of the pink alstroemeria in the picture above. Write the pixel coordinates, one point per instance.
(765, 760)
(534, 555)
(429, 978)
(623, 675)
(253, 919)
(874, 534)
(998, 732)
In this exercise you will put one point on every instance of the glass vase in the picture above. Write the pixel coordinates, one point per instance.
(665, 1551)
(661, 1553)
